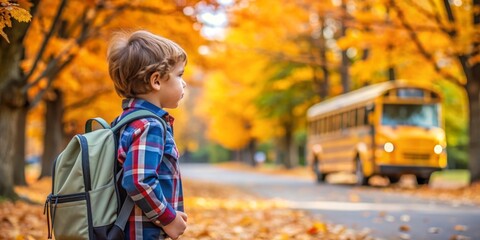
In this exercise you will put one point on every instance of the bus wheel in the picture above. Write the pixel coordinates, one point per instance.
(393, 179)
(320, 176)
(361, 179)
(422, 180)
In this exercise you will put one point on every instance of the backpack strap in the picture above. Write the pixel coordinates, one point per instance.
(138, 114)
(88, 124)
(128, 204)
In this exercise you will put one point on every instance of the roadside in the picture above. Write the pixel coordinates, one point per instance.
(215, 212)
(469, 195)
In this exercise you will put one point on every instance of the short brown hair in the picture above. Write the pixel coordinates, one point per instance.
(133, 58)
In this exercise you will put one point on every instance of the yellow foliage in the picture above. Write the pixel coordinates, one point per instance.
(20, 14)
(86, 77)
(17, 11)
(261, 34)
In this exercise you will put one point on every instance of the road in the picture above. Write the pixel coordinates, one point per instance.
(389, 215)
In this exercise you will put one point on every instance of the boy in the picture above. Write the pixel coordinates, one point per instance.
(147, 71)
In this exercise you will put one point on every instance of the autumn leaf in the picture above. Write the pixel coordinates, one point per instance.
(20, 14)
(404, 228)
(10, 10)
(317, 228)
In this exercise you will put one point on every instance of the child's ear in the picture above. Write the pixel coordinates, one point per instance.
(155, 81)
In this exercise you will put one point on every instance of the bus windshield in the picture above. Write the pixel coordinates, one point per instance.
(410, 114)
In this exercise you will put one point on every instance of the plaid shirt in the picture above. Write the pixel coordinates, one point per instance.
(151, 171)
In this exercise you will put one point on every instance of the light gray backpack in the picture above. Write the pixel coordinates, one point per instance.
(86, 199)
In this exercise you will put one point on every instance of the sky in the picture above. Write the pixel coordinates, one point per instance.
(214, 20)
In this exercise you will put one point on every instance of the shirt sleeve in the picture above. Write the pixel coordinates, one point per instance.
(140, 177)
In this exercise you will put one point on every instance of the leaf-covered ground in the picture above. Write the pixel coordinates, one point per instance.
(214, 211)
(222, 212)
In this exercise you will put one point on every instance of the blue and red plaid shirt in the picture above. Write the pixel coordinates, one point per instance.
(151, 171)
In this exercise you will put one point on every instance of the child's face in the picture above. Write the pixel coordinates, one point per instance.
(172, 90)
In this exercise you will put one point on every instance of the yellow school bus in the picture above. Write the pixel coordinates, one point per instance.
(388, 129)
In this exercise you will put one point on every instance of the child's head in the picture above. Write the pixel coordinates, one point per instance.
(135, 59)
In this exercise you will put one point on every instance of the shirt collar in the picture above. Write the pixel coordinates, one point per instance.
(137, 103)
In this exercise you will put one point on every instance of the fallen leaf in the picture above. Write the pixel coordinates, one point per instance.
(405, 218)
(405, 236)
(460, 228)
(354, 198)
(404, 228)
(459, 237)
(317, 228)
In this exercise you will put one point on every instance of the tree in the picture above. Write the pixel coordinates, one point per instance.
(289, 46)
(90, 67)
(12, 100)
(11, 9)
(461, 32)
(71, 29)
(285, 98)
(228, 105)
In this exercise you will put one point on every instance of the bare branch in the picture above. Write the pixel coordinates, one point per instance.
(448, 8)
(422, 50)
(85, 22)
(87, 100)
(448, 30)
(124, 7)
(56, 65)
(39, 95)
(46, 40)
(51, 77)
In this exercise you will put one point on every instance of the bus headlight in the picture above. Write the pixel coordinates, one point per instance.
(388, 147)
(438, 149)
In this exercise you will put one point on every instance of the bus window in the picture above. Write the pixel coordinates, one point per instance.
(323, 128)
(352, 118)
(344, 120)
(338, 122)
(362, 117)
(319, 126)
(328, 124)
(410, 93)
(410, 114)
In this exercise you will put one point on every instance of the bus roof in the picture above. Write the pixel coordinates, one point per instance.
(357, 96)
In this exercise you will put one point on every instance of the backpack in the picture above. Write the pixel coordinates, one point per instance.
(87, 200)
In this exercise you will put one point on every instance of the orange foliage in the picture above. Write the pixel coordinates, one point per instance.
(17, 10)
(85, 81)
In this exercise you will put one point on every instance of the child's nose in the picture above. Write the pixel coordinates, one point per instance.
(184, 84)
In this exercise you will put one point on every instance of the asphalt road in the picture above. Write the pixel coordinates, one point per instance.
(388, 215)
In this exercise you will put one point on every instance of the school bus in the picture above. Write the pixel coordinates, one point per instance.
(387, 129)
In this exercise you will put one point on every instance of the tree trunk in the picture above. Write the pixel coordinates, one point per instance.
(8, 122)
(291, 151)
(473, 92)
(345, 76)
(251, 148)
(320, 83)
(280, 151)
(323, 56)
(19, 158)
(11, 101)
(391, 73)
(53, 137)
